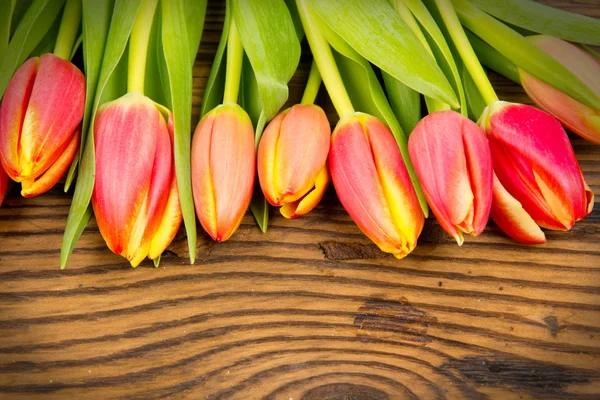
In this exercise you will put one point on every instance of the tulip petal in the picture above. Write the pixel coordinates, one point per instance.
(125, 153)
(169, 225)
(589, 197)
(3, 184)
(55, 110)
(526, 142)
(302, 150)
(305, 204)
(12, 112)
(53, 174)
(511, 218)
(266, 159)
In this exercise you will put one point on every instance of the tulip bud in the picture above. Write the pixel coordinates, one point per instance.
(452, 159)
(40, 120)
(535, 166)
(223, 169)
(135, 196)
(578, 117)
(3, 184)
(292, 159)
(373, 185)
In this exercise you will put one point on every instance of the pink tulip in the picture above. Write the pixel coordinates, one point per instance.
(537, 172)
(223, 169)
(135, 196)
(373, 185)
(292, 159)
(452, 159)
(40, 119)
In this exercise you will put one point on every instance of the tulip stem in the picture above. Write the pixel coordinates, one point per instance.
(312, 85)
(461, 41)
(138, 46)
(69, 25)
(233, 69)
(325, 62)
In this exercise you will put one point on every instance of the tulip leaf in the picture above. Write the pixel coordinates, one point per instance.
(213, 90)
(46, 45)
(96, 15)
(31, 30)
(368, 96)
(440, 48)
(493, 59)
(6, 12)
(475, 101)
(18, 11)
(544, 19)
(405, 102)
(376, 32)
(122, 19)
(524, 54)
(179, 57)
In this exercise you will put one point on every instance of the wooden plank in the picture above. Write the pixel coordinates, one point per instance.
(309, 310)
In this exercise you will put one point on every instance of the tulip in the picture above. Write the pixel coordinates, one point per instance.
(373, 185)
(537, 173)
(40, 120)
(579, 118)
(223, 169)
(135, 196)
(452, 159)
(292, 159)
(3, 184)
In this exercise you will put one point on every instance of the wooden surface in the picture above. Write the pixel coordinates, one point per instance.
(310, 310)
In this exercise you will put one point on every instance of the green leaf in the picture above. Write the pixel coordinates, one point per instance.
(122, 19)
(272, 47)
(33, 26)
(440, 48)
(368, 96)
(195, 11)
(96, 16)
(19, 9)
(544, 19)
(46, 45)
(179, 56)
(213, 90)
(376, 32)
(493, 59)
(524, 54)
(591, 51)
(475, 101)
(6, 12)
(405, 102)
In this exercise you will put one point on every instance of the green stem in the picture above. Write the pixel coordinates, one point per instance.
(466, 51)
(493, 59)
(324, 59)
(233, 73)
(69, 25)
(312, 85)
(138, 46)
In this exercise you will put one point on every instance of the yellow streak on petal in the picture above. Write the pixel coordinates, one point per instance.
(169, 224)
(311, 199)
(561, 213)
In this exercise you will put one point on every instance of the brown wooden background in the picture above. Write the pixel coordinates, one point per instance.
(310, 310)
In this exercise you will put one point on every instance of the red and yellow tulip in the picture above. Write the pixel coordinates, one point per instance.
(452, 159)
(574, 115)
(3, 184)
(292, 159)
(135, 196)
(223, 169)
(40, 119)
(538, 180)
(373, 185)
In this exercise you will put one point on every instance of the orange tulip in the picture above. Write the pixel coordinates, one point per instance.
(223, 169)
(578, 117)
(135, 196)
(373, 185)
(40, 119)
(452, 159)
(292, 159)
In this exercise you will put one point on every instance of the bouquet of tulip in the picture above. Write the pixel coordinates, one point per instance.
(122, 133)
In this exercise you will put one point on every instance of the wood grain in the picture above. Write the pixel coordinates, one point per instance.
(309, 310)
